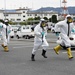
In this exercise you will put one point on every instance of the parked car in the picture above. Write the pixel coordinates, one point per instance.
(25, 32)
(15, 27)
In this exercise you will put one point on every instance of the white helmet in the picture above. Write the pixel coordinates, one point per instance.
(42, 20)
(68, 16)
(6, 20)
(69, 19)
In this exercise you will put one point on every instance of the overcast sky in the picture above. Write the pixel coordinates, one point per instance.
(34, 4)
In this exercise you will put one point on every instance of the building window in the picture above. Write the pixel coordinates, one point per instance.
(30, 15)
(6, 15)
(45, 14)
(19, 14)
(35, 14)
(23, 20)
(23, 11)
(12, 19)
(23, 15)
(18, 19)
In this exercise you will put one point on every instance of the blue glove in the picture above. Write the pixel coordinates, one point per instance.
(43, 33)
(73, 30)
(1, 26)
(57, 33)
(9, 31)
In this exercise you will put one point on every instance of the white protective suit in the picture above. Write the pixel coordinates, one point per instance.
(5, 33)
(39, 40)
(65, 31)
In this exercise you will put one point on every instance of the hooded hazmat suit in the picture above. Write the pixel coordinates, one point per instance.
(5, 31)
(40, 40)
(65, 30)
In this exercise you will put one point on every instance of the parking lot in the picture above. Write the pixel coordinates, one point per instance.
(18, 60)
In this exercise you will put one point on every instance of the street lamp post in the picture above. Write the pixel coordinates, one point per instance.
(60, 10)
(60, 3)
(5, 8)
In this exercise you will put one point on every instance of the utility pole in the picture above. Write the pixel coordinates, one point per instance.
(65, 10)
(5, 8)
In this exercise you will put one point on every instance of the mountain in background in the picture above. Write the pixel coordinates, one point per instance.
(71, 10)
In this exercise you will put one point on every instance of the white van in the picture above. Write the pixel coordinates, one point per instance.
(25, 32)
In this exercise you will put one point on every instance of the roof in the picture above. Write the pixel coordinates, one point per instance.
(11, 12)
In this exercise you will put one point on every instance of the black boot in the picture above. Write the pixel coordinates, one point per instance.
(32, 57)
(44, 53)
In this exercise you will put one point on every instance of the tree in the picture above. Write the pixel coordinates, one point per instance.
(22, 23)
(45, 18)
(49, 19)
(30, 21)
(37, 20)
(54, 19)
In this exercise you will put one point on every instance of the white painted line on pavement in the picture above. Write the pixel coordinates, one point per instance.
(66, 52)
(22, 46)
(32, 47)
(39, 48)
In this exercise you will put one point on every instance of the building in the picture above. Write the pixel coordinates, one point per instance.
(22, 14)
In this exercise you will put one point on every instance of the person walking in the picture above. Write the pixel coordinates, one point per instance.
(5, 30)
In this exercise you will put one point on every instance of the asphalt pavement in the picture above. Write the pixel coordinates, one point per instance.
(18, 60)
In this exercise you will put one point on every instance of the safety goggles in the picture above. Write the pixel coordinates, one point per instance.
(69, 19)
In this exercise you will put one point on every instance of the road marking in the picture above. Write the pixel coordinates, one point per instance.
(66, 52)
(22, 46)
(19, 44)
(27, 46)
(39, 49)
(32, 47)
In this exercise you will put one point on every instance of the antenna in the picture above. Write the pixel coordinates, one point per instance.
(65, 10)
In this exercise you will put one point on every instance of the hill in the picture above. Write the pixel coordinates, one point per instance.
(71, 10)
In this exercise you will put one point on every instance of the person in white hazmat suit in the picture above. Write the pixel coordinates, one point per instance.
(40, 32)
(9, 29)
(6, 29)
(66, 27)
